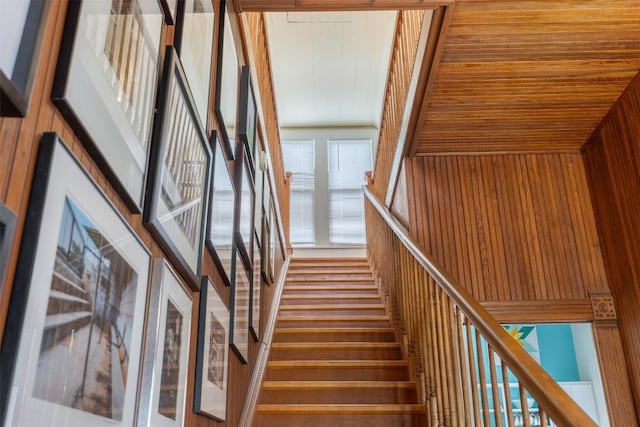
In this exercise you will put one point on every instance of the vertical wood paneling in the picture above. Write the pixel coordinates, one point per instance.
(612, 160)
(509, 227)
(19, 142)
(401, 67)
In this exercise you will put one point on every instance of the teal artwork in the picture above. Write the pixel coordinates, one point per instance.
(527, 336)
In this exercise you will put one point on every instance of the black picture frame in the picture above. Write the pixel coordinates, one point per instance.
(227, 81)
(265, 249)
(7, 230)
(80, 258)
(166, 352)
(106, 89)
(255, 292)
(245, 205)
(239, 330)
(23, 36)
(169, 7)
(220, 223)
(247, 116)
(212, 357)
(179, 175)
(194, 42)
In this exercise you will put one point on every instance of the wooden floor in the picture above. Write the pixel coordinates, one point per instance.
(334, 360)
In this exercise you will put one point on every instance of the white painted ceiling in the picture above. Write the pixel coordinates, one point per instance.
(330, 68)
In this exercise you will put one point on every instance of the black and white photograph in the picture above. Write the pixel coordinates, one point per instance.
(265, 249)
(258, 209)
(255, 292)
(212, 358)
(178, 189)
(85, 275)
(166, 353)
(106, 82)
(194, 43)
(22, 25)
(239, 334)
(221, 212)
(245, 204)
(227, 82)
(170, 8)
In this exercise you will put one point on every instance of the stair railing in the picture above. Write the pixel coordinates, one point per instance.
(469, 370)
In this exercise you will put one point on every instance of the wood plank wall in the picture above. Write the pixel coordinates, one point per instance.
(400, 70)
(19, 142)
(259, 48)
(511, 228)
(612, 161)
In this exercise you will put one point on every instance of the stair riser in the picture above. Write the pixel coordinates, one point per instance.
(406, 396)
(329, 323)
(330, 299)
(334, 337)
(284, 420)
(334, 312)
(335, 354)
(323, 373)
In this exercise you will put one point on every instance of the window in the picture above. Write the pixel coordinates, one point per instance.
(299, 159)
(348, 160)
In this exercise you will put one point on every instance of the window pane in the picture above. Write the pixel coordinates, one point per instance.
(298, 157)
(348, 161)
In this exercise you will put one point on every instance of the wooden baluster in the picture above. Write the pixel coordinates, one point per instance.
(473, 375)
(443, 356)
(497, 411)
(507, 395)
(450, 357)
(482, 380)
(464, 368)
(435, 359)
(543, 417)
(526, 421)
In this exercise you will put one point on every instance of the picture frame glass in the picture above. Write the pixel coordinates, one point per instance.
(220, 224)
(177, 205)
(256, 291)
(228, 82)
(246, 214)
(239, 339)
(106, 87)
(195, 45)
(212, 358)
(79, 349)
(259, 190)
(21, 30)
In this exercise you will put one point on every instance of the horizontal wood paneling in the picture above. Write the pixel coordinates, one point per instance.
(528, 76)
(403, 56)
(19, 142)
(509, 227)
(612, 159)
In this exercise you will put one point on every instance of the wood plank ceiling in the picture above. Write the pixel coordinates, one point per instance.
(527, 76)
(515, 75)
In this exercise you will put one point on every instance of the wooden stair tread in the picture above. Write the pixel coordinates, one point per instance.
(325, 409)
(335, 318)
(321, 307)
(336, 330)
(337, 385)
(312, 297)
(286, 364)
(329, 280)
(334, 345)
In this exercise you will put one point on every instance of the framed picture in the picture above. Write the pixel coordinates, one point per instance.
(227, 81)
(105, 86)
(194, 43)
(247, 115)
(72, 347)
(22, 25)
(7, 229)
(166, 352)
(254, 303)
(212, 363)
(266, 247)
(245, 203)
(221, 213)
(272, 242)
(180, 171)
(170, 9)
(239, 334)
(259, 186)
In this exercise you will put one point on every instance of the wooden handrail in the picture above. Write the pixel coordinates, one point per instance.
(562, 409)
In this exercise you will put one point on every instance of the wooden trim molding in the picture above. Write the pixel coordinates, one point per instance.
(253, 392)
(602, 305)
(336, 5)
(560, 311)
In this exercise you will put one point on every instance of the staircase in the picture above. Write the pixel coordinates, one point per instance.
(334, 360)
